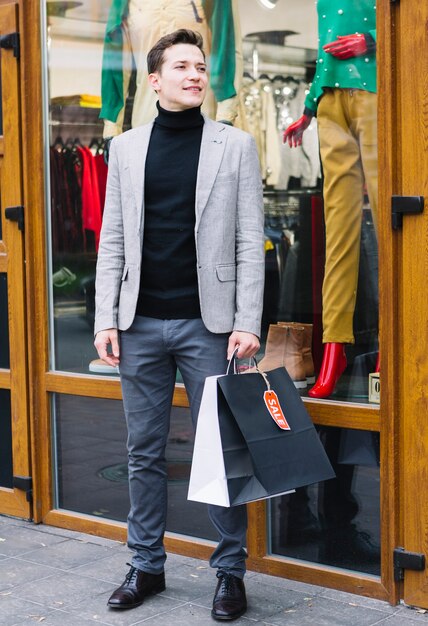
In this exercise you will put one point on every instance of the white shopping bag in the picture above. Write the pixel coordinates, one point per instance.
(208, 482)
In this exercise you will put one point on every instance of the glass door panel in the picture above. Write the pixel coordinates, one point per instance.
(4, 323)
(278, 69)
(321, 254)
(337, 522)
(6, 461)
(91, 474)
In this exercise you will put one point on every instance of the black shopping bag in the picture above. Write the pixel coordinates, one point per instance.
(267, 450)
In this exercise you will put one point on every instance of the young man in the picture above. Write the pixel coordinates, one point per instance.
(180, 276)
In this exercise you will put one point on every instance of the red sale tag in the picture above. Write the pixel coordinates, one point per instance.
(274, 408)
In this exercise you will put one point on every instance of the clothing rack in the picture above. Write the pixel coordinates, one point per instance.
(78, 176)
(84, 122)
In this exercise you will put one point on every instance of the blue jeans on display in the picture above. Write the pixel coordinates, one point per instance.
(151, 350)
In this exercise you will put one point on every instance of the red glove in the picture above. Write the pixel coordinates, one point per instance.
(294, 132)
(347, 46)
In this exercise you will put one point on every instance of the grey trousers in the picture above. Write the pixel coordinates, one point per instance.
(151, 351)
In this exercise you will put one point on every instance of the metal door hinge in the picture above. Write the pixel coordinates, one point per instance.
(404, 205)
(407, 560)
(11, 42)
(24, 483)
(15, 214)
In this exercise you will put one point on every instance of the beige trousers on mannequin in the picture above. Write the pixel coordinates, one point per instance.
(347, 127)
(147, 22)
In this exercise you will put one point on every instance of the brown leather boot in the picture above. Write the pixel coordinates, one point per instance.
(307, 349)
(284, 349)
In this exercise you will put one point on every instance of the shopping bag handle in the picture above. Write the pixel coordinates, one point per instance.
(233, 360)
(252, 358)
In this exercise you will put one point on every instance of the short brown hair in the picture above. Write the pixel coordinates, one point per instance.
(155, 56)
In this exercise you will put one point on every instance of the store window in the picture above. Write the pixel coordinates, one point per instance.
(336, 522)
(321, 261)
(6, 460)
(92, 473)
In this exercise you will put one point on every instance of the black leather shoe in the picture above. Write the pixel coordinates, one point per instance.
(135, 588)
(230, 601)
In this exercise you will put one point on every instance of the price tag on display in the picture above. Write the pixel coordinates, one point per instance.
(374, 387)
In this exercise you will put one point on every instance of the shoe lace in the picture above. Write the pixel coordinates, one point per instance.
(131, 575)
(227, 584)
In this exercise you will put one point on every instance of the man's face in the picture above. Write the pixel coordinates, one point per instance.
(182, 80)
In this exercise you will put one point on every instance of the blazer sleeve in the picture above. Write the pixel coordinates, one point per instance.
(250, 264)
(110, 262)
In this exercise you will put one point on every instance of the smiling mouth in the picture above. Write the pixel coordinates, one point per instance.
(192, 89)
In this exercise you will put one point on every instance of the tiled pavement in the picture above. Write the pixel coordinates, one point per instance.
(57, 577)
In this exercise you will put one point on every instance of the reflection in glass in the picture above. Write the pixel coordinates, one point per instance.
(91, 472)
(336, 522)
(6, 465)
(4, 323)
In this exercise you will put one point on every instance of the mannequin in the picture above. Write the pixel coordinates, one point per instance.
(343, 96)
(135, 25)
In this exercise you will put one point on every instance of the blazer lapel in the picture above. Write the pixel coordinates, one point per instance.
(212, 148)
(137, 162)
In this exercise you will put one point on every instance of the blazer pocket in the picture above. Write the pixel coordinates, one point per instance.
(226, 272)
(226, 177)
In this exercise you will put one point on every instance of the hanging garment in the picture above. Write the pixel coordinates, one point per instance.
(257, 116)
(91, 209)
(66, 210)
(101, 170)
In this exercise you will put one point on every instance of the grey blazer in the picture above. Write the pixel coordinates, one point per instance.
(228, 231)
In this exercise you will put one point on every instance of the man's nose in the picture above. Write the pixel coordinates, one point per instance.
(193, 74)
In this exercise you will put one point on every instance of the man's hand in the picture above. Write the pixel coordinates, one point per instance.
(247, 342)
(294, 133)
(102, 341)
(347, 46)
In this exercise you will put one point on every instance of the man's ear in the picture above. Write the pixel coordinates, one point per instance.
(154, 81)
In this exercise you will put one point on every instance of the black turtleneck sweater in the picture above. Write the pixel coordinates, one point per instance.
(169, 284)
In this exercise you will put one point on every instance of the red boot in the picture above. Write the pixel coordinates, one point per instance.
(332, 367)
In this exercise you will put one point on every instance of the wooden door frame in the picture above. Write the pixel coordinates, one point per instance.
(412, 164)
(14, 500)
(42, 383)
